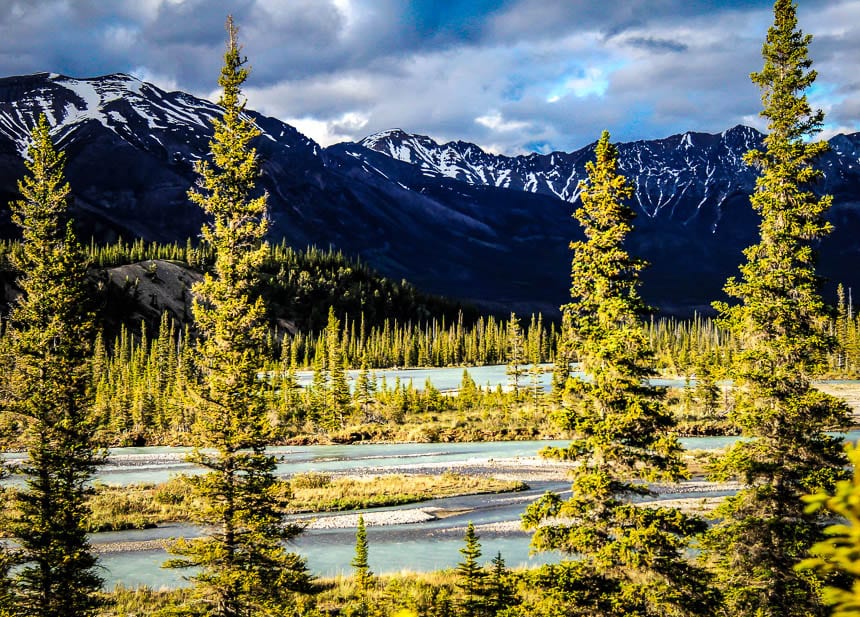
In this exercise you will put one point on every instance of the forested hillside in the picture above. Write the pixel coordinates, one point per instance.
(138, 281)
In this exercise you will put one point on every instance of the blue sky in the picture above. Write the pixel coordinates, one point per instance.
(510, 75)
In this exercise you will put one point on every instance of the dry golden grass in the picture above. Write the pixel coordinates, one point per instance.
(141, 506)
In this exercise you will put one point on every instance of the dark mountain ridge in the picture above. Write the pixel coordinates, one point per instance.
(451, 218)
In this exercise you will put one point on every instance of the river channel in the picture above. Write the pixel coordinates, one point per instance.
(419, 546)
(449, 378)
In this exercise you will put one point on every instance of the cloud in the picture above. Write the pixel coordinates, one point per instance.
(331, 131)
(657, 45)
(589, 81)
(495, 122)
(510, 75)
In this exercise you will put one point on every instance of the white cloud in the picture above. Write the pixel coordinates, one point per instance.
(532, 74)
(164, 82)
(495, 122)
(121, 37)
(832, 131)
(592, 81)
(328, 132)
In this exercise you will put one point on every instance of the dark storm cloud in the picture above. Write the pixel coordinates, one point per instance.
(507, 74)
(657, 45)
(539, 18)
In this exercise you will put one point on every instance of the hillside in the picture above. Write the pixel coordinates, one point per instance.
(451, 218)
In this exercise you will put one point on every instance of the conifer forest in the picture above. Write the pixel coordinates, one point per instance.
(216, 363)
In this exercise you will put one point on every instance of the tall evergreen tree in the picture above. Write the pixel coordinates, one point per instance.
(500, 594)
(6, 556)
(365, 390)
(516, 354)
(51, 334)
(340, 397)
(780, 324)
(561, 365)
(621, 430)
(244, 568)
(363, 575)
(534, 349)
(471, 576)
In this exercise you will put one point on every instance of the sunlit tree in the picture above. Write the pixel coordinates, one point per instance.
(51, 335)
(621, 431)
(244, 567)
(781, 325)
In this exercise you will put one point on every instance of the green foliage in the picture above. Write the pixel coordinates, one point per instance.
(500, 592)
(839, 553)
(621, 431)
(471, 579)
(780, 325)
(141, 384)
(679, 345)
(244, 568)
(143, 396)
(516, 354)
(50, 337)
(363, 576)
(298, 287)
(844, 360)
(567, 589)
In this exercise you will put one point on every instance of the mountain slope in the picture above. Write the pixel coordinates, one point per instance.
(691, 197)
(674, 177)
(451, 218)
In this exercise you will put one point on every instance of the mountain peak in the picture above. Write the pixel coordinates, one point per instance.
(449, 216)
(139, 113)
(394, 133)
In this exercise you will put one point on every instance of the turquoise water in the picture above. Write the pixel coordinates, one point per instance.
(143, 465)
(329, 553)
(417, 547)
(449, 378)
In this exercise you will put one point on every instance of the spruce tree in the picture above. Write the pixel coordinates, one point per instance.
(471, 576)
(363, 575)
(780, 325)
(621, 431)
(365, 390)
(561, 363)
(244, 567)
(6, 555)
(341, 399)
(516, 354)
(534, 349)
(51, 335)
(500, 594)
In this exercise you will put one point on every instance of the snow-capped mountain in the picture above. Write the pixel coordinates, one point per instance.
(675, 176)
(665, 170)
(451, 217)
(137, 112)
(130, 148)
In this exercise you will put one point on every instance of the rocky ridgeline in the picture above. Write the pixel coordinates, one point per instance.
(452, 218)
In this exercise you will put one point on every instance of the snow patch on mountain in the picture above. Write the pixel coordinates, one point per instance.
(695, 168)
(136, 111)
